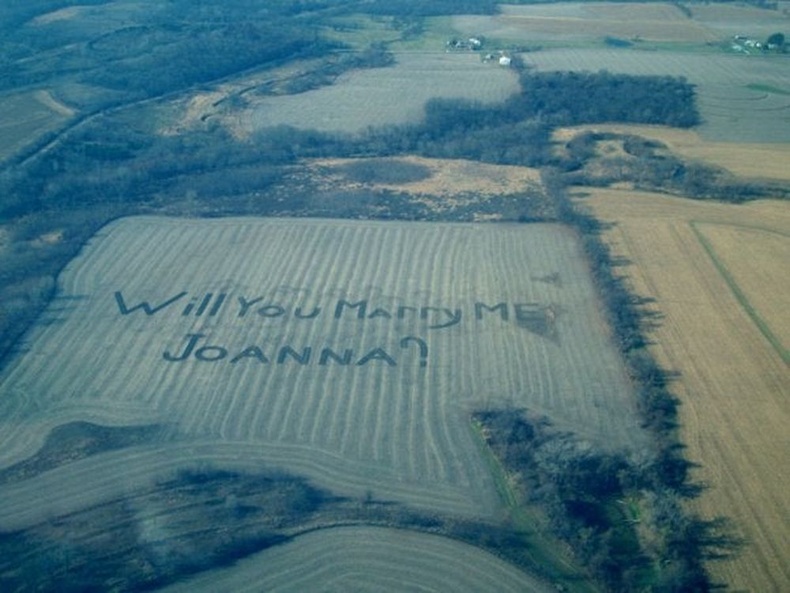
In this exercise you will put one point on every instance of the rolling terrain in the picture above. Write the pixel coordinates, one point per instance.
(348, 356)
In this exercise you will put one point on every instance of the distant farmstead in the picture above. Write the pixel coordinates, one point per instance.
(472, 43)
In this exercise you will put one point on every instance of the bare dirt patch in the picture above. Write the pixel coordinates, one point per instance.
(46, 98)
(51, 238)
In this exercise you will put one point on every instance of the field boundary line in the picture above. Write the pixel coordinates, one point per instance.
(739, 294)
(506, 492)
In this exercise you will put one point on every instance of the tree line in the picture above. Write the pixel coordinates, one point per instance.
(622, 522)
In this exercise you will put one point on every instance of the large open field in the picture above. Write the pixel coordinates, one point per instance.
(574, 22)
(349, 352)
(718, 274)
(639, 22)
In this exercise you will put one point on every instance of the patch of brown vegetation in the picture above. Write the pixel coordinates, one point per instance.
(449, 186)
(448, 178)
(749, 160)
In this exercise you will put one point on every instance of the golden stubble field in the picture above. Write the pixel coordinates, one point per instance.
(718, 273)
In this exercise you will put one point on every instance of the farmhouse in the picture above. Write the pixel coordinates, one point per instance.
(472, 43)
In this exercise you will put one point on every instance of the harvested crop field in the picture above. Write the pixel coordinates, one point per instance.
(730, 19)
(385, 96)
(740, 98)
(576, 21)
(368, 559)
(348, 352)
(718, 274)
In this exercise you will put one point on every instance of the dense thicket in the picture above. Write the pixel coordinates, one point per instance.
(598, 502)
(518, 131)
(570, 98)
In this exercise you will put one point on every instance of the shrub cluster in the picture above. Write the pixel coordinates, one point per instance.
(623, 524)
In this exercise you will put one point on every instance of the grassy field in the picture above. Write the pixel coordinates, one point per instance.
(394, 95)
(348, 353)
(717, 273)
(27, 116)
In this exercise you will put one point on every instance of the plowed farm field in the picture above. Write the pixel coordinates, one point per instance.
(718, 274)
(348, 352)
